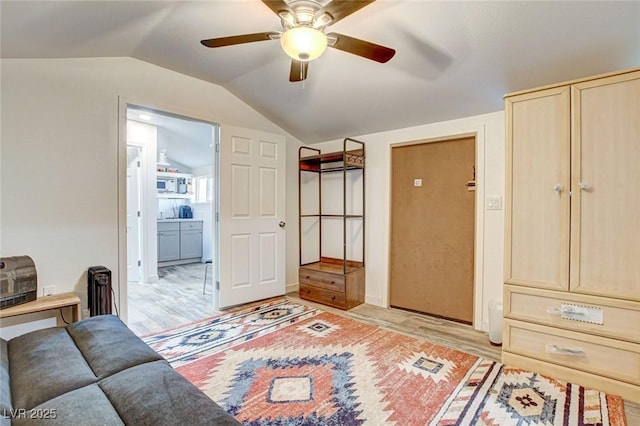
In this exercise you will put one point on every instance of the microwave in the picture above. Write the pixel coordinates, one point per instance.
(166, 184)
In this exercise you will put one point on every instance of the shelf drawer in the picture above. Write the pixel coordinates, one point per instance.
(598, 355)
(620, 318)
(324, 280)
(323, 296)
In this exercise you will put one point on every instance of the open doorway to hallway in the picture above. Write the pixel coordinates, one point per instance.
(171, 232)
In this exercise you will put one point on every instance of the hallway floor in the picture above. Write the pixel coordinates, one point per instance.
(174, 300)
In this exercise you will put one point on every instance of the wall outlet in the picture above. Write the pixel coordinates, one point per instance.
(48, 290)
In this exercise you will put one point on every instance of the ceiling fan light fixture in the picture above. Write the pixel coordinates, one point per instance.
(303, 43)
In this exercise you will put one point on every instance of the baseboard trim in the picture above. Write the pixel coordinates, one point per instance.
(293, 288)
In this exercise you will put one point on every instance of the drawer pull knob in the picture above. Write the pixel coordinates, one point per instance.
(559, 350)
(307, 277)
(333, 282)
(333, 298)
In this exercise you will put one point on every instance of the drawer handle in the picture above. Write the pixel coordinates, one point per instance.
(308, 277)
(307, 291)
(559, 350)
(333, 282)
(565, 310)
(333, 298)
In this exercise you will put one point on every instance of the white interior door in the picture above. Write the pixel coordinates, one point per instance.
(251, 263)
(133, 214)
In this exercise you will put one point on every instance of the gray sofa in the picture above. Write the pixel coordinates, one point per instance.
(96, 372)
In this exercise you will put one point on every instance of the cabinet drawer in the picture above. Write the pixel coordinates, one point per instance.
(323, 296)
(187, 226)
(620, 318)
(598, 355)
(168, 226)
(320, 279)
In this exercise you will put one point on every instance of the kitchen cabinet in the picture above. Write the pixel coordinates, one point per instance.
(190, 240)
(179, 241)
(168, 241)
(572, 287)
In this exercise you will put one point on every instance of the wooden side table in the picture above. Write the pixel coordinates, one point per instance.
(46, 303)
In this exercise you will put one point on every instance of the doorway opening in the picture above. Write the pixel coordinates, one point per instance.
(433, 203)
(171, 202)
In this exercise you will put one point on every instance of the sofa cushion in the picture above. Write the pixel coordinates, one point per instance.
(154, 394)
(87, 406)
(5, 385)
(44, 364)
(109, 346)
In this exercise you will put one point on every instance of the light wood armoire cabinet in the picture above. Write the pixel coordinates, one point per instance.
(572, 248)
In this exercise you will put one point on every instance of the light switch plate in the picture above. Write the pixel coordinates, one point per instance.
(494, 203)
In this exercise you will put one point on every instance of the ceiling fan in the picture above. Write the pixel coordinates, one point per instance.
(303, 37)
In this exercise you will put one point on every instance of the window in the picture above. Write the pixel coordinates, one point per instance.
(204, 189)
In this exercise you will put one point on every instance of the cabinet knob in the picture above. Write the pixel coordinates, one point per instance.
(584, 186)
(333, 282)
(333, 298)
(308, 277)
(282, 224)
(558, 188)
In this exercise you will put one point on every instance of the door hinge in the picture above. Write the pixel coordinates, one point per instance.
(138, 213)
(138, 164)
(139, 262)
(217, 217)
(217, 285)
(217, 147)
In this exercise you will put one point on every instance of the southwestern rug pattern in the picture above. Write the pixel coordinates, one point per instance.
(281, 363)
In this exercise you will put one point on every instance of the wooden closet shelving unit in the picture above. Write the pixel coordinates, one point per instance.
(338, 282)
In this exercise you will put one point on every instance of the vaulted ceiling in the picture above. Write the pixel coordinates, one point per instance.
(454, 59)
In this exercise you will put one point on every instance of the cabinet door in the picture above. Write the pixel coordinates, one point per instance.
(168, 245)
(190, 244)
(537, 196)
(605, 222)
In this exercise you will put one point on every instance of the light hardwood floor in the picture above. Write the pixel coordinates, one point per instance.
(177, 299)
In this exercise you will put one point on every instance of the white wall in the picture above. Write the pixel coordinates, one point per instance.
(490, 182)
(204, 211)
(59, 157)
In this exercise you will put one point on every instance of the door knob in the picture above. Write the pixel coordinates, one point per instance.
(282, 224)
(558, 188)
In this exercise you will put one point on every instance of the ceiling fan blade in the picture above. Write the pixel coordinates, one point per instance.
(366, 49)
(339, 9)
(238, 39)
(278, 6)
(299, 70)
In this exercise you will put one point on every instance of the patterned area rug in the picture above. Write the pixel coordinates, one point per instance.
(281, 363)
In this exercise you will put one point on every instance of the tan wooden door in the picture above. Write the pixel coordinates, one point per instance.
(432, 228)
(605, 245)
(537, 189)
